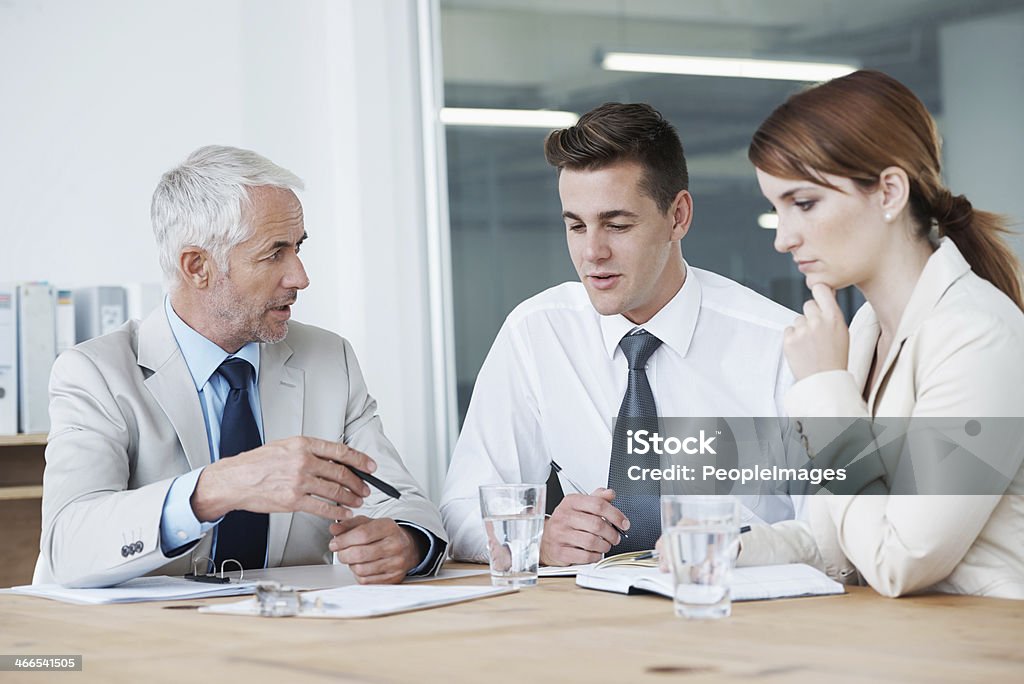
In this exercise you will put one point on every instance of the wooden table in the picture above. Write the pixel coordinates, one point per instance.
(554, 632)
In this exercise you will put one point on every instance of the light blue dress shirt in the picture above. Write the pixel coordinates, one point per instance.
(178, 523)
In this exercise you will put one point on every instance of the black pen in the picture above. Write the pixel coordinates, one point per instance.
(579, 490)
(379, 484)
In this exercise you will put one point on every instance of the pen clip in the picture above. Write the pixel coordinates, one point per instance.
(208, 579)
(572, 483)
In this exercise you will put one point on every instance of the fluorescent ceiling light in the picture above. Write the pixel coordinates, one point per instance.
(517, 118)
(728, 67)
(769, 220)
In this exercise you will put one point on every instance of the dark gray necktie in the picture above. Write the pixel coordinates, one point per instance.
(241, 535)
(639, 500)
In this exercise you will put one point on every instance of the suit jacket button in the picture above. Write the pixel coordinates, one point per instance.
(138, 546)
(124, 551)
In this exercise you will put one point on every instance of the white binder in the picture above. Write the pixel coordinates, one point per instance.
(37, 349)
(65, 321)
(143, 298)
(99, 310)
(8, 359)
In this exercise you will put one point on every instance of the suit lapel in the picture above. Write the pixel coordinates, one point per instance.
(282, 389)
(863, 340)
(882, 377)
(159, 353)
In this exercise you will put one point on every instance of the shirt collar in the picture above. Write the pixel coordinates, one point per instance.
(202, 356)
(673, 324)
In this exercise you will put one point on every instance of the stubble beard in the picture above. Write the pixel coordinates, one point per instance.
(246, 322)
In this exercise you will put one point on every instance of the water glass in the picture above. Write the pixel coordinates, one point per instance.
(513, 517)
(702, 539)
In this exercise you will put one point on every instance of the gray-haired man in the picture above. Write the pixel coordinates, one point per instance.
(214, 430)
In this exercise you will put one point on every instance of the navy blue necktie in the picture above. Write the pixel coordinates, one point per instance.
(639, 500)
(241, 535)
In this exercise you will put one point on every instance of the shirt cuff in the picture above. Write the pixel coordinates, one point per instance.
(179, 527)
(429, 564)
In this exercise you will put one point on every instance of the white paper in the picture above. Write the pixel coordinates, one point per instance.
(157, 588)
(307, 577)
(368, 601)
(447, 573)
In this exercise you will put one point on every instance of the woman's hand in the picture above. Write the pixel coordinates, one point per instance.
(819, 340)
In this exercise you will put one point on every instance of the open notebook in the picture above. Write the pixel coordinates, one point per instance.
(748, 584)
(643, 559)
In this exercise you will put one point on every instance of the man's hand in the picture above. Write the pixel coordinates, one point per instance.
(819, 340)
(377, 550)
(579, 530)
(285, 476)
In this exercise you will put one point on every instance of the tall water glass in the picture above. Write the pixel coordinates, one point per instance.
(702, 535)
(513, 522)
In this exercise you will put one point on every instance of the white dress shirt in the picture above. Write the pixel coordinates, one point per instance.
(554, 379)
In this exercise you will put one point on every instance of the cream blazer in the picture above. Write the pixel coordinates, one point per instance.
(958, 352)
(126, 421)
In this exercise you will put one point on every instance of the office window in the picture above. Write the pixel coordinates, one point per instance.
(507, 236)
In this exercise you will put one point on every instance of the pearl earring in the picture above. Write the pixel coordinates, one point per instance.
(888, 216)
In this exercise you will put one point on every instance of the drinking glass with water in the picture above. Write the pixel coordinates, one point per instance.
(702, 539)
(513, 517)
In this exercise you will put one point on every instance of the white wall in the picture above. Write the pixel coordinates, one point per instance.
(98, 99)
(982, 71)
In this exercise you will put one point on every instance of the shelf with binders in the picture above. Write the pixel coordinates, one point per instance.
(22, 459)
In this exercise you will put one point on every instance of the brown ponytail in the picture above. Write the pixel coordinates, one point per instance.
(977, 234)
(857, 126)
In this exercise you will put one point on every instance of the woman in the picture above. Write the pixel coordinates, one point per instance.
(852, 169)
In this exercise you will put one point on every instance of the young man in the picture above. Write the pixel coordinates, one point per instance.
(215, 430)
(642, 334)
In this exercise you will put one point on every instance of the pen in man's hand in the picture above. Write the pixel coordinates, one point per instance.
(379, 484)
(371, 480)
(579, 490)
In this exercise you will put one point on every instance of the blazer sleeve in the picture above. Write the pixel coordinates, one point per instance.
(95, 532)
(365, 432)
(968, 366)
